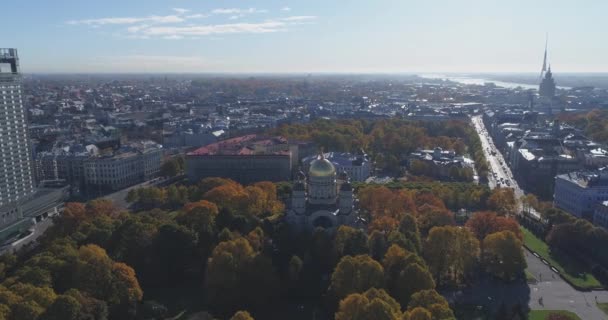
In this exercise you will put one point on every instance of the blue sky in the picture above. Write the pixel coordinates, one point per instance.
(306, 36)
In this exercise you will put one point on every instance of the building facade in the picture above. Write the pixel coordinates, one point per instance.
(600, 216)
(16, 177)
(579, 193)
(90, 173)
(245, 159)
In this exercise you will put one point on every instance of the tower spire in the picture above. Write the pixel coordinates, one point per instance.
(542, 71)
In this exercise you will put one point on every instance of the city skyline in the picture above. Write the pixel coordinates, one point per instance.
(290, 37)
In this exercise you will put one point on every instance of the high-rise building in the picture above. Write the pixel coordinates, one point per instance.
(16, 179)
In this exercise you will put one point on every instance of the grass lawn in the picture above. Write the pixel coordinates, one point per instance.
(529, 277)
(603, 307)
(571, 270)
(542, 314)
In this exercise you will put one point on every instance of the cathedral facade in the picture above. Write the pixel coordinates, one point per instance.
(321, 198)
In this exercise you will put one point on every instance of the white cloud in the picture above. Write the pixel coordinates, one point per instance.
(299, 18)
(128, 20)
(135, 29)
(204, 30)
(235, 11)
(286, 9)
(181, 10)
(180, 26)
(173, 37)
(196, 16)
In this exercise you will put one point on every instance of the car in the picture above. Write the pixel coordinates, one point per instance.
(555, 270)
(544, 261)
(536, 254)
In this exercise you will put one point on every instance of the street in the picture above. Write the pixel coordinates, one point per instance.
(556, 293)
(500, 173)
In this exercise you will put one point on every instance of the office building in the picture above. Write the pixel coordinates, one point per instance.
(579, 193)
(16, 178)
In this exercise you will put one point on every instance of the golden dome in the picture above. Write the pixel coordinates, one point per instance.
(321, 167)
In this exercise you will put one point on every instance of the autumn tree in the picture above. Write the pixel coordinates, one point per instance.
(74, 213)
(502, 200)
(231, 196)
(385, 207)
(107, 280)
(371, 304)
(503, 255)
(238, 276)
(451, 253)
(486, 222)
(405, 274)
(432, 301)
(433, 216)
(356, 274)
(417, 313)
(242, 315)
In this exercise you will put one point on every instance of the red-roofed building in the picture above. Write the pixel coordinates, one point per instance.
(245, 159)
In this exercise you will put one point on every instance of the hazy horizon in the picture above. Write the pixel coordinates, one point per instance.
(386, 37)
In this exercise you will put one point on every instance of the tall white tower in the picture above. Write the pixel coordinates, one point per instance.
(16, 178)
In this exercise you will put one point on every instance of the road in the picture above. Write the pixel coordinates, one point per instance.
(39, 229)
(556, 293)
(500, 173)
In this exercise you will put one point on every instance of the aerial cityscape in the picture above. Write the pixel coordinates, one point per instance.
(235, 162)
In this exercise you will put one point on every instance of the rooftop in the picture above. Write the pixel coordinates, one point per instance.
(244, 145)
(586, 179)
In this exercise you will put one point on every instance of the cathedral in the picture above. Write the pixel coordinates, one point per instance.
(322, 198)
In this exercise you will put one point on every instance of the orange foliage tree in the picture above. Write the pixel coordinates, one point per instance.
(484, 223)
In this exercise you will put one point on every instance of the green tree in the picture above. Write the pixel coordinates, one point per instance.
(350, 241)
(295, 268)
(63, 308)
(377, 245)
(409, 228)
(170, 168)
(26, 310)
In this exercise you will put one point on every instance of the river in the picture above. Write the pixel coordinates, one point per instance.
(481, 81)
